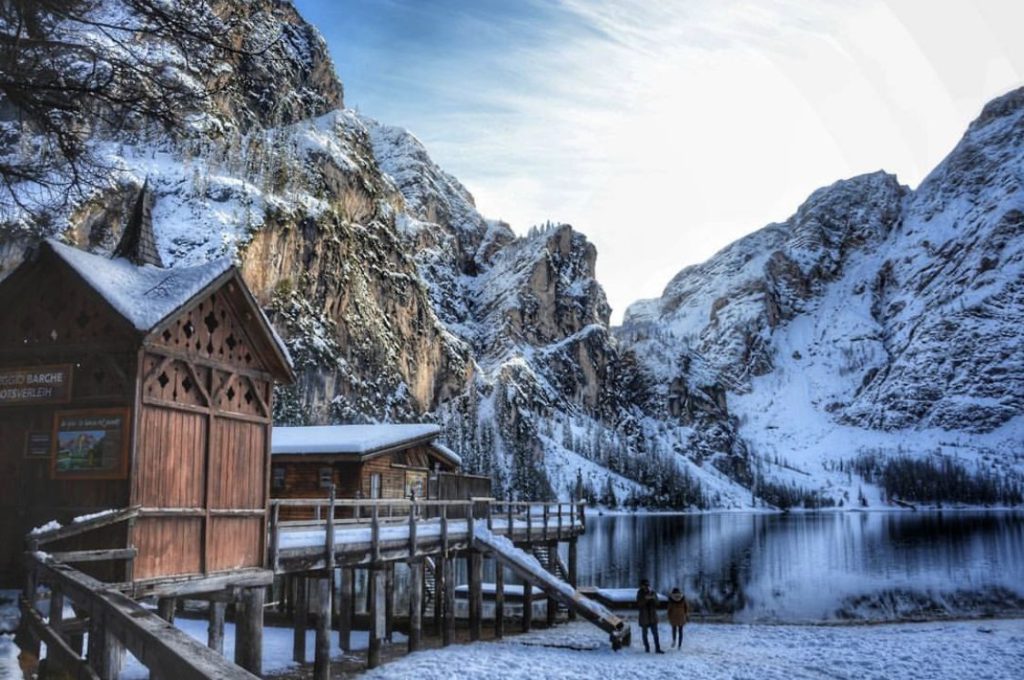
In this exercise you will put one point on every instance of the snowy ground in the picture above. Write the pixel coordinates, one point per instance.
(959, 650)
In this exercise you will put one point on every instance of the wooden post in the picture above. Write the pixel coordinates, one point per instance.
(322, 652)
(412, 530)
(547, 512)
(215, 630)
(476, 576)
(552, 605)
(415, 603)
(510, 520)
(26, 638)
(573, 567)
(527, 607)
(249, 630)
(50, 666)
(300, 614)
(375, 533)
(438, 593)
(375, 587)
(275, 537)
(389, 600)
(166, 607)
(105, 651)
(329, 536)
(558, 535)
(499, 599)
(346, 603)
(449, 602)
(529, 521)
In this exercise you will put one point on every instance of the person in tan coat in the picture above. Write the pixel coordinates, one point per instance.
(678, 613)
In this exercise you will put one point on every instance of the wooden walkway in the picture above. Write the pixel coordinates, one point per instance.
(387, 530)
(312, 565)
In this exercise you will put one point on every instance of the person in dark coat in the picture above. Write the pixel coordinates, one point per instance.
(647, 603)
(678, 613)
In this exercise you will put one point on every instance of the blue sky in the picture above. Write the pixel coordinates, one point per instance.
(665, 130)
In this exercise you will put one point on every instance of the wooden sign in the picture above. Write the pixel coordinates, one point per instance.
(35, 385)
(91, 444)
(38, 444)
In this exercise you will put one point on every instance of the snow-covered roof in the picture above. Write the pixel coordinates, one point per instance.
(144, 295)
(445, 452)
(347, 439)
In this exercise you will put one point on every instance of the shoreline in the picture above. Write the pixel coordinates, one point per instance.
(929, 509)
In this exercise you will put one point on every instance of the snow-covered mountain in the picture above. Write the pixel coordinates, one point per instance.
(876, 320)
(759, 376)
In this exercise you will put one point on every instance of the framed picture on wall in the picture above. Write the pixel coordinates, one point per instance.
(90, 444)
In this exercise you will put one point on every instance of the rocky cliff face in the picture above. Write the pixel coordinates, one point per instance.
(873, 310)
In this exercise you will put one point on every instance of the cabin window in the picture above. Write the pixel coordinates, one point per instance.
(375, 485)
(326, 477)
(277, 478)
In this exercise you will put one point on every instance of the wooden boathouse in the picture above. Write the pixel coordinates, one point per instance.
(135, 445)
(135, 418)
(142, 387)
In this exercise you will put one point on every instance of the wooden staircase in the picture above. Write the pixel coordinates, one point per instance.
(548, 556)
(429, 583)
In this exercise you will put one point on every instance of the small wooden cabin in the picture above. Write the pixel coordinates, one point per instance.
(363, 461)
(123, 384)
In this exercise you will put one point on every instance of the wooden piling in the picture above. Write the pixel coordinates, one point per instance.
(415, 604)
(448, 622)
(249, 630)
(346, 604)
(438, 594)
(322, 651)
(527, 607)
(215, 629)
(552, 605)
(50, 668)
(573, 565)
(166, 608)
(389, 600)
(106, 652)
(499, 599)
(375, 586)
(300, 617)
(476, 577)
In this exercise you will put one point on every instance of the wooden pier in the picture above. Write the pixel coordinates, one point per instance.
(312, 566)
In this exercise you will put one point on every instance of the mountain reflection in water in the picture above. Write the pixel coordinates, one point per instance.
(817, 566)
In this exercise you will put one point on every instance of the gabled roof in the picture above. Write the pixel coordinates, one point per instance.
(352, 440)
(146, 295)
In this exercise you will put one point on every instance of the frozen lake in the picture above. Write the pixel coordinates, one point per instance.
(817, 567)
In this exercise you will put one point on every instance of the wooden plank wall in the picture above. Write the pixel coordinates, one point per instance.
(203, 445)
(49, 317)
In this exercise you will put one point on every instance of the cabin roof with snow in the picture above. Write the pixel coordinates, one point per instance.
(147, 296)
(357, 442)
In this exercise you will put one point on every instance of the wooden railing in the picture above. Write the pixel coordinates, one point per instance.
(524, 521)
(113, 620)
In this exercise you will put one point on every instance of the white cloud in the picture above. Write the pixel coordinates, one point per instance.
(666, 130)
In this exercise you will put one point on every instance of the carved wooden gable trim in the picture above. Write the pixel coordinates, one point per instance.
(213, 331)
(47, 305)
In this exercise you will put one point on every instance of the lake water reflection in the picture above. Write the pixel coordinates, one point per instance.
(820, 566)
